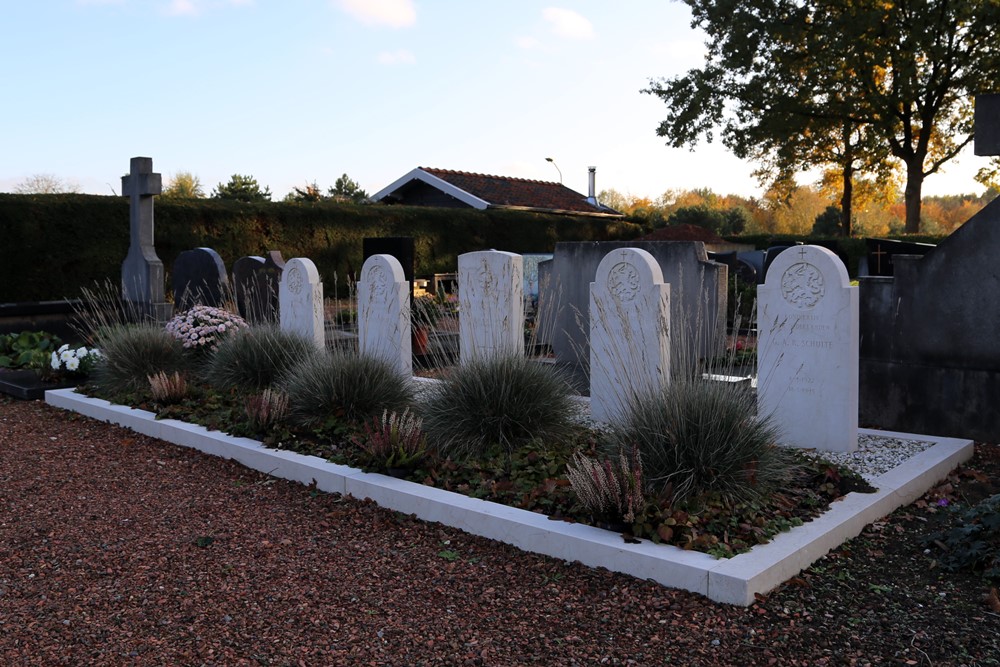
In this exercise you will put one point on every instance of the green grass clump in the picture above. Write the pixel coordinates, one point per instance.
(696, 436)
(500, 400)
(256, 358)
(344, 385)
(131, 353)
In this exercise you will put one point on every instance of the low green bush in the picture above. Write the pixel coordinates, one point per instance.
(696, 436)
(501, 401)
(256, 358)
(973, 542)
(133, 353)
(344, 385)
(28, 349)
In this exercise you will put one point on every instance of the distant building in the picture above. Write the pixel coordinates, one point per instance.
(424, 186)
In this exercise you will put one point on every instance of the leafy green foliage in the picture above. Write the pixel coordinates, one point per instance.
(242, 188)
(132, 353)
(256, 357)
(344, 385)
(974, 541)
(696, 437)
(28, 349)
(500, 401)
(729, 221)
(347, 189)
(184, 185)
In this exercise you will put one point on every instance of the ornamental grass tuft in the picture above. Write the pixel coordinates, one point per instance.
(493, 401)
(256, 358)
(697, 436)
(130, 353)
(344, 384)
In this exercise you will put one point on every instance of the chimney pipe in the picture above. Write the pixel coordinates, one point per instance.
(591, 185)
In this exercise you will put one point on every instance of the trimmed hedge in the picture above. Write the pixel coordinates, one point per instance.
(55, 245)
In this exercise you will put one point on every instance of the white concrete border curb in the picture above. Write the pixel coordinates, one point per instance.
(733, 581)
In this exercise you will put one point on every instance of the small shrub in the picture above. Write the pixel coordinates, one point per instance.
(695, 436)
(501, 400)
(28, 349)
(256, 357)
(610, 491)
(203, 327)
(974, 543)
(266, 409)
(344, 384)
(166, 388)
(131, 353)
(393, 441)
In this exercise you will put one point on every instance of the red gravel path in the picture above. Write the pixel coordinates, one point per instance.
(119, 549)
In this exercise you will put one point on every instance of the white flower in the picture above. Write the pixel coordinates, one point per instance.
(81, 352)
(72, 364)
(66, 355)
(64, 347)
(221, 328)
(55, 362)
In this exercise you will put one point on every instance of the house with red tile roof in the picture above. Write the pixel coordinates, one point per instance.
(425, 186)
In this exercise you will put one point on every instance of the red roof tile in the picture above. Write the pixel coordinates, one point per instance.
(520, 192)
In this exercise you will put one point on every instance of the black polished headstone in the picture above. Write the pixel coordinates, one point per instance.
(199, 277)
(255, 283)
(880, 252)
(400, 247)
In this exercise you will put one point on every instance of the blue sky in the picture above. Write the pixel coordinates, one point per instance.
(297, 91)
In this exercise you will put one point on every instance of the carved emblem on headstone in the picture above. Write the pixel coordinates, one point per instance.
(379, 283)
(623, 281)
(294, 281)
(802, 285)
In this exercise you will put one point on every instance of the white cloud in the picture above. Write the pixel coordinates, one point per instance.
(528, 43)
(398, 57)
(391, 13)
(182, 8)
(567, 23)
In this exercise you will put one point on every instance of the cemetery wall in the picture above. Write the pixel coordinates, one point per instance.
(51, 246)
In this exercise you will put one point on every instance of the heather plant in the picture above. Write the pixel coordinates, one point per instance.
(395, 440)
(502, 400)
(168, 388)
(266, 409)
(256, 357)
(611, 490)
(344, 384)
(699, 436)
(202, 328)
(131, 353)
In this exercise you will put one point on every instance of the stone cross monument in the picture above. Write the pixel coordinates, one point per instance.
(142, 270)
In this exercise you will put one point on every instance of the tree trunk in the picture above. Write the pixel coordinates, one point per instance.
(845, 202)
(911, 196)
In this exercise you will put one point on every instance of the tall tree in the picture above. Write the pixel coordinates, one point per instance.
(346, 188)
(796, 83)
(184, 185)
(44, 184)
(241, 188)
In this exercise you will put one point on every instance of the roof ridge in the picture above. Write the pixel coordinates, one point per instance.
(504, 178)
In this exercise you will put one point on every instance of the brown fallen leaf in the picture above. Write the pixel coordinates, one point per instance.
(993, 600)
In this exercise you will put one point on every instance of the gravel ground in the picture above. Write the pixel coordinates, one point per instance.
(119, 549)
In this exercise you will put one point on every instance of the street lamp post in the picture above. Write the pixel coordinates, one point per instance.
(548, 159)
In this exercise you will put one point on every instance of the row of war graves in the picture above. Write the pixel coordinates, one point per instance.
(828, 352)
(808, 310)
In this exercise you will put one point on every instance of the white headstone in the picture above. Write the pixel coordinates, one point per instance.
(629, 331)
(300, 296)
(384, 312)
(807, 316)
(491, 304)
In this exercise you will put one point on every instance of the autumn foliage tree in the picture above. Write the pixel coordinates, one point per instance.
(795, 84)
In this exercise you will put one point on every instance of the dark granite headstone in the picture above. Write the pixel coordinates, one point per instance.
(199, 278)
(880, 252)
(255, 283)
(400, 247)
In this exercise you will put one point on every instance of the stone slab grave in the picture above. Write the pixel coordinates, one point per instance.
(491, 304)
(736, 580)
(629, 332)
(807, 318)
(301, 300)
(384, 312)
(698, 300)
(255, 286)
(142, 270)
(199, 277)
(930, 361)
